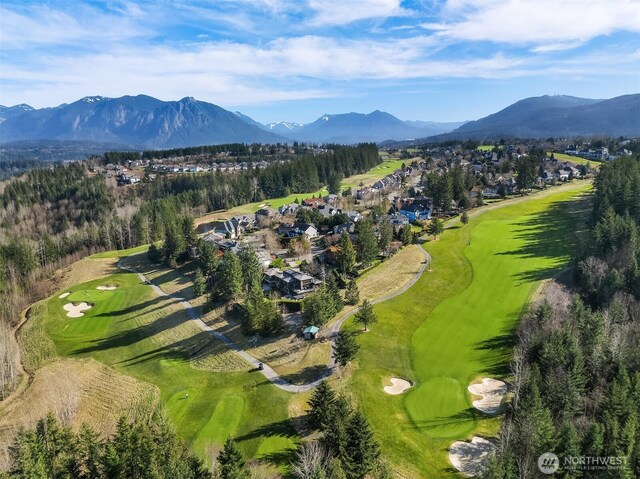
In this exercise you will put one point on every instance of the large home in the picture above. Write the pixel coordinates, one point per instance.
(266, 213)
(416, 212)
(313, 202)
(327, 211)
(289, 209)
(307, 229)
(291, 282)
(398, 220)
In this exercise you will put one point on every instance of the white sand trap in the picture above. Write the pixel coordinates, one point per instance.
(76, 310)
(64, 295)
(470, 457)
(106, 288)
(492, 392)
(398, 386)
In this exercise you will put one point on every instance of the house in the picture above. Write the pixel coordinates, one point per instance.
(354, 216)
(327, 211)
(265, 213)
(227, 229)
(416, 212)
(348, 227)
(313, 202)
(291, 282)
(398, 220)
(307, 229)
(332, 199)
(310, 332)
(289, 209)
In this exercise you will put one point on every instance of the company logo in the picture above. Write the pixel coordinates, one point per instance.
(548, 463)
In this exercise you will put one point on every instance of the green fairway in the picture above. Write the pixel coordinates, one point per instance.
(121, 253)
(574, 159)
(150, 338)
(455, 325)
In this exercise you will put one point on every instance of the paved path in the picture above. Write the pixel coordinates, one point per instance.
(268, 371)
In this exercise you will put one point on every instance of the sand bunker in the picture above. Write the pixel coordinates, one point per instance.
(64, 295)
(470, 457)
(76, 310)
(492, 392)
(107, 288)
(398, 386)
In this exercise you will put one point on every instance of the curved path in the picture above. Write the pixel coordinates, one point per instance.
(268, 371)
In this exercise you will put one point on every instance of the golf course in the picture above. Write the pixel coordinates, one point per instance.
(151, 339)
(456, 324)
(453, 327)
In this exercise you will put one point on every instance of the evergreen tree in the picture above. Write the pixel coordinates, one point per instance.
(199, 284)
(435, 228)
(232, 465)
(365, 315)
(174, 246)
(230, 278)
(367, 243)
(386, 235)
(334, 293)
(321, 404)
(346, 257)
(406, 236)
(464, 219)
(352, 295)
(335, 432)
(362, 450)
(251, 269)
(345, 348)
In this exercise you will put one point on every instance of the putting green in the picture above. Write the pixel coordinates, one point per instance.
(223, 423)
(434, 407)
(456, 324)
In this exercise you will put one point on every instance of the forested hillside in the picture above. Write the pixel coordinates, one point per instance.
(53, 217)
(577, 363)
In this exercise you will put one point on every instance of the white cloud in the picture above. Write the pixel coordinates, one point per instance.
(544, 22)
(43, 25)
(342, 12)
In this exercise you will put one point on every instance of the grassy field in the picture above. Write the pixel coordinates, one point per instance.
(374, 174)
(455, 325)
(573, 159)
(150, 338)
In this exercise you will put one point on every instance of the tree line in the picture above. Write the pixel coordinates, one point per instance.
(576, 369)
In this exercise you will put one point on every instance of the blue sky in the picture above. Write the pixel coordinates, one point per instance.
(440, 60)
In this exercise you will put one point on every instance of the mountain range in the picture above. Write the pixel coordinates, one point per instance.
(556, 116)
(144, 121)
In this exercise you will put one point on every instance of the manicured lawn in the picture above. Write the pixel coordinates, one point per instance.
(374, 174)
(121, 253)
(130, 329)
(489, 147)
(456, 325)
(573, 159)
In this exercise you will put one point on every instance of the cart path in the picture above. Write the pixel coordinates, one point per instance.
(268, 371)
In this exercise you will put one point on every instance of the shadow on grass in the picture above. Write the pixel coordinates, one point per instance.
(282, 428)
(469, 415)
(306, 375)
(497, 352)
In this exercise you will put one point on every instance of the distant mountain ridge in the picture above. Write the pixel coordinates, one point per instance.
(560, 115)
(352, 127)
(135, 120)
(147, 122)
